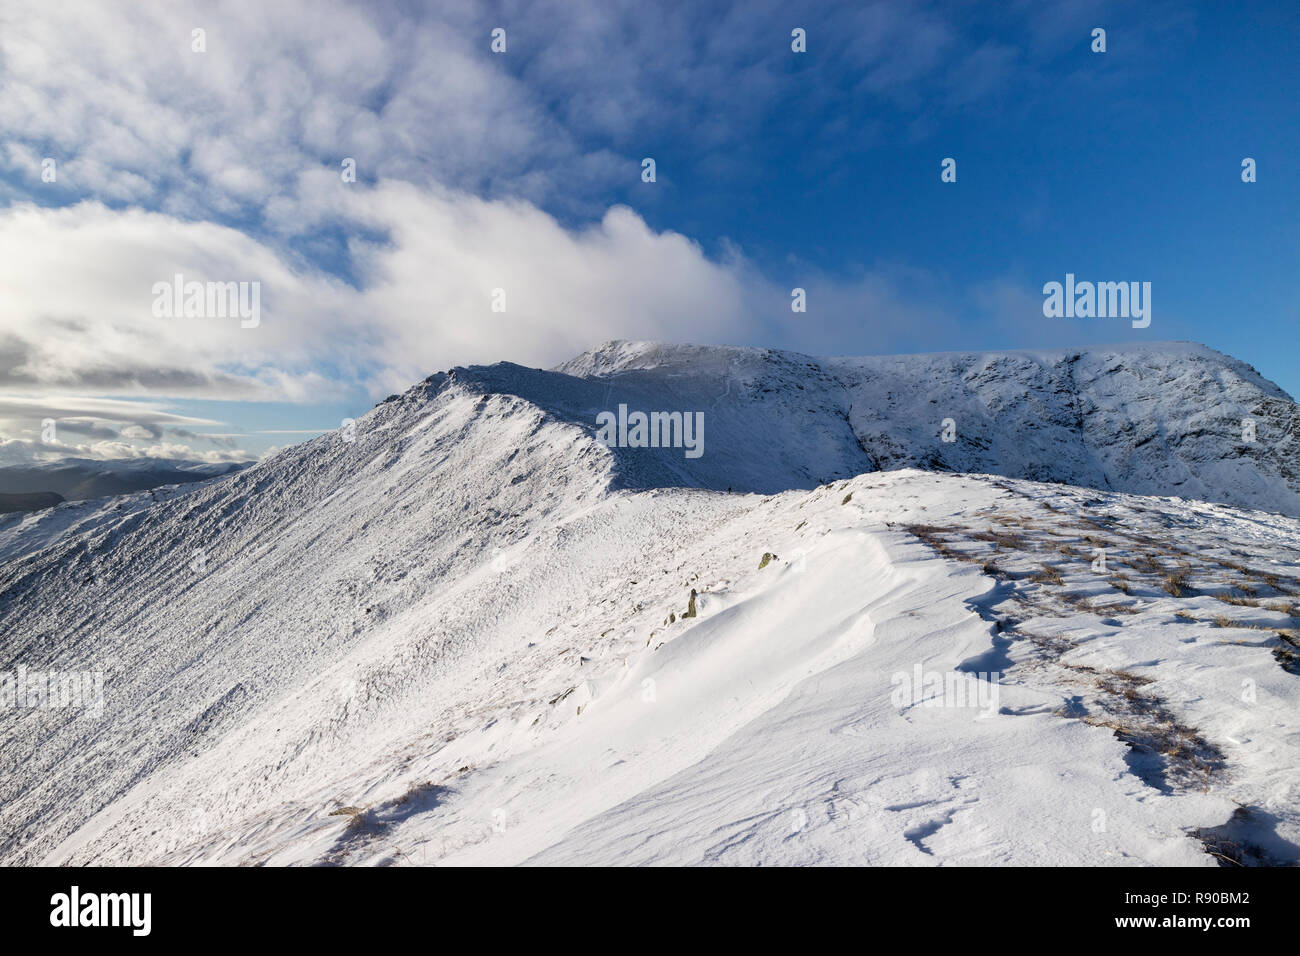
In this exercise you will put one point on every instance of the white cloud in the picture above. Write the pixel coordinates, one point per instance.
(22, 451)
(79, 295)
(564, 290)
(79, 286)
(114, 92)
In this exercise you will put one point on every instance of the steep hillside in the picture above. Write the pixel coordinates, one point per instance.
(205, 606)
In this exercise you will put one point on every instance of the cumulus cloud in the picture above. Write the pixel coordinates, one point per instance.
(563, 290)
(80, 285)
(223, 165)
(79, 315)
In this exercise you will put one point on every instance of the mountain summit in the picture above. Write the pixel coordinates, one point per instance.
(1173, 419)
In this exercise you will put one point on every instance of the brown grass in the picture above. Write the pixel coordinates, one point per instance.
(1175, 583)
(1049, 575)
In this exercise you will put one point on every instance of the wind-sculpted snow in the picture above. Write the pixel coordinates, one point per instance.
(470, 632)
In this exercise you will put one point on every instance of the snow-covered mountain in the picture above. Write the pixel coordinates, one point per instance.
(1163, 419)
(471, 632)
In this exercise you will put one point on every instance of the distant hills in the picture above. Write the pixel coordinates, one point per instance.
(31, 487)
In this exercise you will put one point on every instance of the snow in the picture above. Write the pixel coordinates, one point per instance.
(460, 639)
(1158, 419)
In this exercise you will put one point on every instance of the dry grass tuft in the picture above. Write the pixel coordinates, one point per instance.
(1002, 540)
(1175, 583)
(1049, 575)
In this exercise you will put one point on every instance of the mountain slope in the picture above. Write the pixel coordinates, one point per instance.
(205, 606)
(457, 613)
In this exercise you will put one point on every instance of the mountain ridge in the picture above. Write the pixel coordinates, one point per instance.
(1160, 419)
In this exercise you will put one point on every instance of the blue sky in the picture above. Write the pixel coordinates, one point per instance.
(522, 170)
